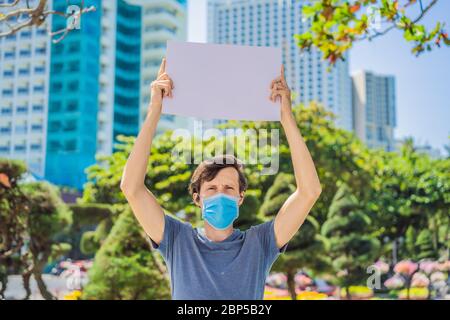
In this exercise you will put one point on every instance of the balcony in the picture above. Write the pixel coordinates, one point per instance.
(38, 108)
(38, 89)
(24, 72)
(10, 55)
(39, 70)
(36, 147)
(6, 111)
(7, 92)
(25, 53)
(23, 91)
(25, 35)
(11, 37)
(22, 110)
(36, 128)
(40, 51)
(4, 149)
(20, 148)
(8, 74)
(5, 130)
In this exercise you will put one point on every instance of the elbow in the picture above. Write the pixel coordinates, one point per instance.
(318, 192)
(315, 192)
(126, 188)
(311, 193)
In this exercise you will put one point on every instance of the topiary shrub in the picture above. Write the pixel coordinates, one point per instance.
(125, 268)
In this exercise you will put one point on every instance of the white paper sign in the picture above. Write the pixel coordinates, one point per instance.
(222, 81)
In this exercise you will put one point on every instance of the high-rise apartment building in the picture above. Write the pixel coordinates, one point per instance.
(274, 23)
(374, 111)
(24, 94)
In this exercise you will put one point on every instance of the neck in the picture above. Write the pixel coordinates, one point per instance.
(217, 235)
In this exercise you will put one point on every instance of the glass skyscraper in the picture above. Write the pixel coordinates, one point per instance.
(127, 70)
(73, 99)
(274, 23)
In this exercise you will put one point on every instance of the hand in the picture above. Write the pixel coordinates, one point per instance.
(281, 90)
(162, 86)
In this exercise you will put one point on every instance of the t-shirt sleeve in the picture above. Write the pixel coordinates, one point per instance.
(266, 234)
(172, 228)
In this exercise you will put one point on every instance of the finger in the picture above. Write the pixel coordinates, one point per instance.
(273, 95)
(162, 67)
(278, 79)
(164, 87)
(163, 76)
(277, 93)
(166, 77)
(279, 86)
(167, 83)
(283, 79)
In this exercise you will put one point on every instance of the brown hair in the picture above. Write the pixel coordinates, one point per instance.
(208, 169)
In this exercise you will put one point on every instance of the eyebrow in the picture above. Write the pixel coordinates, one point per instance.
(225, 184)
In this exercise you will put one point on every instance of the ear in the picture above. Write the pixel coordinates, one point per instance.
(241, 196)
(196, 199)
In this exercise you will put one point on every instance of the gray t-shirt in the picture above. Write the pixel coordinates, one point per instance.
(235, 268)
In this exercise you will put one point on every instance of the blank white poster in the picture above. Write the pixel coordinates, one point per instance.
(222, 81)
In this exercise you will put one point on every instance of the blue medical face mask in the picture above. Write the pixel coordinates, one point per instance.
(220, 210)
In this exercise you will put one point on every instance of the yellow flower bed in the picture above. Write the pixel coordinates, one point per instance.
(305, 295)
(74, 295)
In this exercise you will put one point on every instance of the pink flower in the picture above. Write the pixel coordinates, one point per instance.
(420, 280)
(406, 267)
(395, 282)
(303, 280)
(382, 266)
(429, 266)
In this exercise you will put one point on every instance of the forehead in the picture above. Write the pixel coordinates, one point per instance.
(228, 176)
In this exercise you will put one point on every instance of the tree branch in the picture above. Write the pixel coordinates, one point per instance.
(394, 26)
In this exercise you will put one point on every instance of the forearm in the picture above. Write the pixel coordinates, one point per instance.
(136, 166)
(305, 173)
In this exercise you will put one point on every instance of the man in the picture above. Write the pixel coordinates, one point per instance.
(219, 261)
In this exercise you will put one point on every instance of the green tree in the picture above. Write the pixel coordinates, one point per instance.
(411, 192)
(125, 267)
(13, 213)
(92, 223)
(306, 248)
(248, 211)
(48, 217)
(351, 247)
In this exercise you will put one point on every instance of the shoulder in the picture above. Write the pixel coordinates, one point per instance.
(265, 233)
(176, 223)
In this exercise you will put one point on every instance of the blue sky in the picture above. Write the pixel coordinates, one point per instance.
(423, 83)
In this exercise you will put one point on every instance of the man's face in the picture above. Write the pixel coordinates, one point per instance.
(226, 181)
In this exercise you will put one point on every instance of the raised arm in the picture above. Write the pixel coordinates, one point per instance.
(143, 203)
(294, 211)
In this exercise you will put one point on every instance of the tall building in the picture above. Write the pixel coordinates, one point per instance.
(119, 51)
(73, 98)
(162, 20)
(374, 108)
(134, 36)
(274, 23)
(63, 104)
(24, 82)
